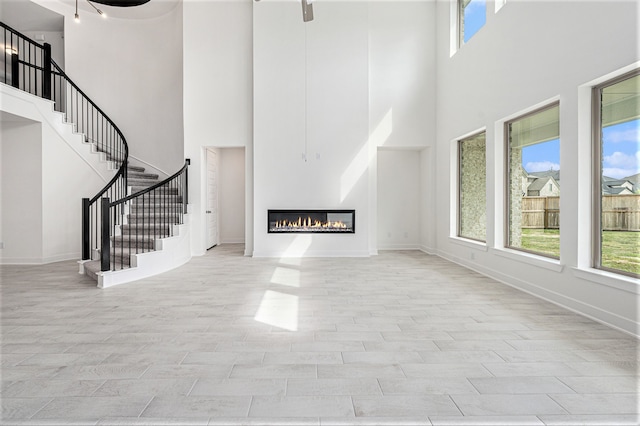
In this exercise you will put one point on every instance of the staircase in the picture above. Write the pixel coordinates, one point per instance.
(150, 226)
(138, 181)
(136, 225)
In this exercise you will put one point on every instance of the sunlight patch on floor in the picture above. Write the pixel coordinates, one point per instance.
(286, 276)
(279, 310)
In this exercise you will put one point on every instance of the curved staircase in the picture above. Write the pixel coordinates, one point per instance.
(153, 235)
(136, 225)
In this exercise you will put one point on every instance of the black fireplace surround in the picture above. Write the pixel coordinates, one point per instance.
(311, 221)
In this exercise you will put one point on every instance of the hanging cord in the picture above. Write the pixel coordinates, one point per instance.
(304, 155)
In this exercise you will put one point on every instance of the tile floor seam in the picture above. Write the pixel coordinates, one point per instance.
(41, 408)
(183, 358)
(192, 386)
(250, 406)
(99, 387)
(559, 404)
(559, 342)
(456, 404)
(146, 406)
(380, 387)
(473, 386)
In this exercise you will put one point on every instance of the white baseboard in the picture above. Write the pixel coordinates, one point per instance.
(607, 318)
(399, 247)
(428, 250)
(316, 253)
(237, 240)
(39, 260)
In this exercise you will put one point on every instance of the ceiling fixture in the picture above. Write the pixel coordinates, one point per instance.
(101, 13)
(114, 3)
(307, 10)
(121, 3)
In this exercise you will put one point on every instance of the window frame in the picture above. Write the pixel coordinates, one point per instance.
(596, 183)
(460, 21)
(459, 184)
(507, 178)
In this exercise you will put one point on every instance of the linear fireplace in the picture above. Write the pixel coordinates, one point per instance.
(311, 221)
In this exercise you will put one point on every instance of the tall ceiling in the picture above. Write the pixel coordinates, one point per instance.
(24, 15)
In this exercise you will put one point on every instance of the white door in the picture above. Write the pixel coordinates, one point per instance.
(212, 198)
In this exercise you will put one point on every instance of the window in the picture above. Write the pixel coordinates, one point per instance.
(533, 161)
(472, 187)
(617, 180)
(472, 15)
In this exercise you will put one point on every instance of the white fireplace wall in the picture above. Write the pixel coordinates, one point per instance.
(327, 94)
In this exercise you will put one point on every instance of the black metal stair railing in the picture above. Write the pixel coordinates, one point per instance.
(111, 230)
(131, 225)
(28, 66)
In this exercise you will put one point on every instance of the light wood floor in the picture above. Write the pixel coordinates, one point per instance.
(402, 338)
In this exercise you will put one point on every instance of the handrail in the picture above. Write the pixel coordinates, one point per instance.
(106, 226)
(132, 224)
(28, 66)
(187, 163)
(19, 34)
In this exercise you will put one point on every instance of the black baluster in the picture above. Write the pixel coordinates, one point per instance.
(105, 259)
(46, 78)
(85, 229)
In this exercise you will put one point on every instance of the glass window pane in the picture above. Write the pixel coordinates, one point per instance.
(534, 183)
(620, 176)
(473, 15)
(472, 188)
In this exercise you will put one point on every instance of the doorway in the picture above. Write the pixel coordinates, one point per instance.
(211, 212)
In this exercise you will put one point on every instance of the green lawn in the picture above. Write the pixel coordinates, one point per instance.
(620, 249)
(545, 241)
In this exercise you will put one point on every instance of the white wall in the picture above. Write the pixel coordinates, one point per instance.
(528, 54)
(46, 171)
(218, 90)
(402, 71)
(21, 232)
(399, 196)
(54, 38)
(327, 94)
(428, 188)
(232, 195)
(326, 59)
(132, 69)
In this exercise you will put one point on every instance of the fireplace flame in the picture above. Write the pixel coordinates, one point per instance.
(308, 223)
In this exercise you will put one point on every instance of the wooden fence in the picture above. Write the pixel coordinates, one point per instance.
(541, 212)
(619, 212)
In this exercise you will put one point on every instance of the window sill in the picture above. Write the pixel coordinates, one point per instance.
(610, 279)
(478, 245)
(530, 259)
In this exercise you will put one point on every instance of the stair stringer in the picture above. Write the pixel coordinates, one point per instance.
(35, 108)
(170, 253)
